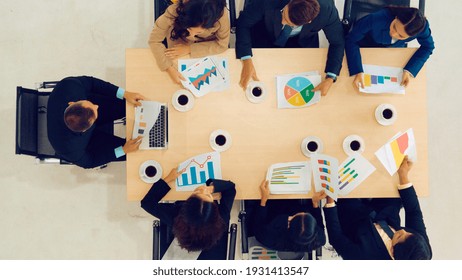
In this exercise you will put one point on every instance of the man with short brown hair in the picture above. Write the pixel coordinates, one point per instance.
(289, 24)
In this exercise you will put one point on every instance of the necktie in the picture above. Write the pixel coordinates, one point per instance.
(281, 40)
(384, 225)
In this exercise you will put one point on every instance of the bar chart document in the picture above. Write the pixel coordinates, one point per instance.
(382, 79)
(289, 178)
(197, 170)
(352, 172)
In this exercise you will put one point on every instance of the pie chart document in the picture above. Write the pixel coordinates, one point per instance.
(296, 90)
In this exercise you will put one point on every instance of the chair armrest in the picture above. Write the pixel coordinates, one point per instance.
(156, 240)
(232, 241)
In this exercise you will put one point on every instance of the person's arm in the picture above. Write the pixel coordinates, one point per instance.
(321, 238)
(352, 47)
(342, 244)
(219, 45)
(251, 15)
(151, 200)
(419, 58)
(161, 30)
(413, 213)
(228, 193)
(334, 34)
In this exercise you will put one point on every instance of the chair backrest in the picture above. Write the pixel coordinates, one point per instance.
(160, 6)
(356, 9)
(31, 124)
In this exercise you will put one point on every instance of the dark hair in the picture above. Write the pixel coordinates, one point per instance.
(413, 20)
(198, 226)
(303, 11)
(301, 236)
(78, 118)
(415, 247)
(196, 13)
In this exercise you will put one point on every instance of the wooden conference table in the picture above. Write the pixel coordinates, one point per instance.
(263, 135)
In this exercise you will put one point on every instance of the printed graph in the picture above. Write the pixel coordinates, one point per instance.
(197, 170)
(260, 253)
(399, 147)
(299, 91)
(291, 177)
(203, 78)
(325, 170)
(382, 79)
(353, 171)
(296, 90)
(347, 175)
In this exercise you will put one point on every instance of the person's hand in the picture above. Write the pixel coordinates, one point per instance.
(406, 78)
(248, 72)
(175, 75)
(358, 82)
(132, 145)
(172, 175)
(403, 171)
(177, 51)
(133, 98)
(324, 86)
(264, 192)
(317, 197)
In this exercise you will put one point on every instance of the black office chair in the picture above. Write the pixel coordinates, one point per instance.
(162, 237)
(160, 6)
(353, 10)
(248, 240)
(31, 124)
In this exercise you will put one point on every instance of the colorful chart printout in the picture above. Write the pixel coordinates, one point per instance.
(197, 170)
(222, 66)
(325, 174)
(391, 154)
(296, 90)
(352, 172)
(382, 79)
(203, 76)
(289, 178)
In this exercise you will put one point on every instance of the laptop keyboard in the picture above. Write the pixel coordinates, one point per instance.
(158, 132)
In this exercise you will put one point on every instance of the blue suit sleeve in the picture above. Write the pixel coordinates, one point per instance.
(426, 48)
(228, 193)
(250, 16)
(96, 86)
(150, 202)
(353, 54)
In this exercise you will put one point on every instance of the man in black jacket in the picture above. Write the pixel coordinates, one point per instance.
(371, 230)
(77, 109)
(289, 24)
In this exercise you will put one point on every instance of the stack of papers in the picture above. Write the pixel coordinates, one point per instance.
(391, 154)
(205, 75)
(341, 179)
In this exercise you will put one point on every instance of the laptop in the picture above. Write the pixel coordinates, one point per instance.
(151, 122)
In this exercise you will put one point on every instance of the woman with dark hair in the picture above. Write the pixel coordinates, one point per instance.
(288, 225)
(196, 27)
(198, 223)
(390, 27)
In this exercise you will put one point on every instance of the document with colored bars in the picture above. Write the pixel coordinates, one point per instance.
(205, 76)
(151, 122)
(338, 180)
(382, 79)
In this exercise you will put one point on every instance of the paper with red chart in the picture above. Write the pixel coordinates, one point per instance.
(197, 170)
(391, 154)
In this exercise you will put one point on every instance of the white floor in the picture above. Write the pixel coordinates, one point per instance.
(64, 212)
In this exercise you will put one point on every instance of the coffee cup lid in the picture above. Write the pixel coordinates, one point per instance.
(146, 164)
(346, 144)
(304, 148)
(217, 147)
(256, 99)
(178, 106)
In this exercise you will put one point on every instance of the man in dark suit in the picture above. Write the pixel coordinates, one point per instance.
(289, 24)
(77, 109)
(371, 230)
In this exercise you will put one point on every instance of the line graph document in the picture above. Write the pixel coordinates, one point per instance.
(197, 170)
(203, 76)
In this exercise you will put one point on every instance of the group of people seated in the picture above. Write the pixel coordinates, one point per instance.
(358, 229)
(80, 107)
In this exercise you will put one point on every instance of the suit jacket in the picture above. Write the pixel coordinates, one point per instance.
(212, 41)
(72, 146)
(167, 214)
(269, 11)
(375, 28)
(269, 230)
(367, 244)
